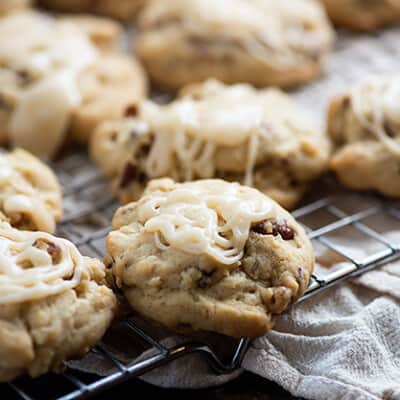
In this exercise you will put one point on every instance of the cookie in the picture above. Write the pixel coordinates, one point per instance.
(363, 15)
(106, 88)
(364, 125)
(208, 255)
(53, 303)
(30, 195)
(122, 9)
(237, 133)
(262, 42)
(61, 77)
(7, 6)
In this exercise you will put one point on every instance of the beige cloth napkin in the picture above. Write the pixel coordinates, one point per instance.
(342, 344)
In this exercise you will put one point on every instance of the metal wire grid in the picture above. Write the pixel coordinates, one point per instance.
(89, 208)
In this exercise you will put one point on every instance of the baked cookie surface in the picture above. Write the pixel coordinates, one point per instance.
(57, 76)
(365, 127)
(363, 15)
(262, 42)
(53, 303)
(208, 255)
(30, 195)
(122, 9)
(211, 130)
(7, 6)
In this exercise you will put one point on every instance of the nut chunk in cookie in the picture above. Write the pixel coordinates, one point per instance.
(363, 15)
(262, 42)
(53, 303)
(56, 78)
(212, 130)
(30, 195)
(209, 255)
(365, 127)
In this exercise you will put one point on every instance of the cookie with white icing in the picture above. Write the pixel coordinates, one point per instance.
(122, 9)
(54, 304)
(208, 255)
(262, 42)
(30, 195)
(363, 15)
(238, 133)
(365, 127)
(57, 77)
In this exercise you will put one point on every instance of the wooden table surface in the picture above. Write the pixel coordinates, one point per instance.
(246, 387)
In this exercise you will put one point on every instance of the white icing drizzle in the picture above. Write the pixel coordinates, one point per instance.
(42, 278)
(52, 53)
(210, 217)
(188, 132)
(375, 102)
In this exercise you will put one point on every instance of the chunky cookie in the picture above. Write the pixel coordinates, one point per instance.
(30, 196)
(7, 6)
(208, 255)
(262, 42)
(237, 133)
(59, 76)
(53, 302)
(364, 15)
(122, 9)
(365, 127)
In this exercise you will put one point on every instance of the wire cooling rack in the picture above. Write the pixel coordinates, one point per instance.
(89, 207)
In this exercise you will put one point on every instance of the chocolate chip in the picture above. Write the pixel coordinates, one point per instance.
(275, 229)
(131, 111)
(131, 173)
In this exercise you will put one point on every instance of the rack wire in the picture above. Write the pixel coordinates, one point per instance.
(89, 207)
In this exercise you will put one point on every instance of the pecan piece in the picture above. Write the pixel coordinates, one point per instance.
(274, 229)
